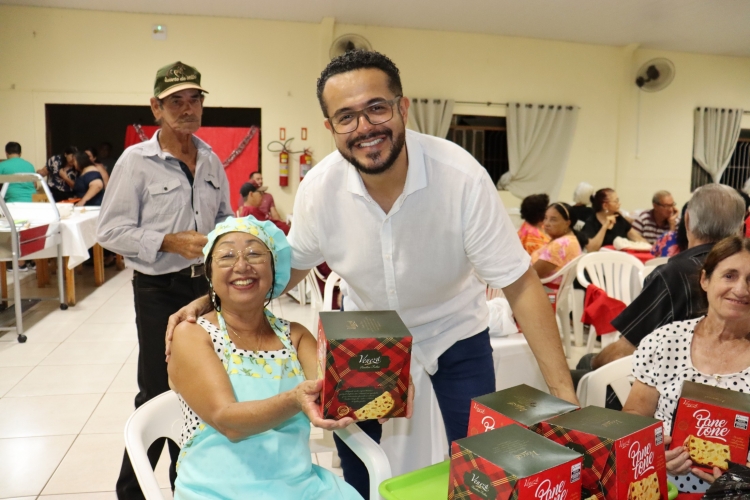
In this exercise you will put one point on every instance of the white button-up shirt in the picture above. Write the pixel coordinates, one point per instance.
(423, 258)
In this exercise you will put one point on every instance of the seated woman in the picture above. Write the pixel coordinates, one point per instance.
(89, 186)
(607, 223)
(532, 212)
(581, 208)
(248, 413)
(712, 350)
(565, 245)
(252, 197)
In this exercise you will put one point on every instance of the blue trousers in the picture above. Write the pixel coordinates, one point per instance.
(466, 370)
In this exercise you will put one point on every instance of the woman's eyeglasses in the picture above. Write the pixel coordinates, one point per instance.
(229, 258)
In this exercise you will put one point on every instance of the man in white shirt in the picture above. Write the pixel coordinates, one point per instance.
(412, 222)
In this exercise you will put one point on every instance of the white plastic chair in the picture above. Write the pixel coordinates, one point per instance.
(564, 300)
(592, 388)
(649, 267)
(162, 417)
(618, 274)
(331, 282)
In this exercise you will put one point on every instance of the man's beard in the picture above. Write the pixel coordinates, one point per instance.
(397, 146)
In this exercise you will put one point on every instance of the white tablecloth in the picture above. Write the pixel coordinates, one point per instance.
(78, 231)
(421, 441)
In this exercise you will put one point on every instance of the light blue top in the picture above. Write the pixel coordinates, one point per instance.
(274, 464)
(18, 191)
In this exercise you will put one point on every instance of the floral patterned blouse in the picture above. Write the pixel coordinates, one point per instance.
(532, 238)
(559, 252)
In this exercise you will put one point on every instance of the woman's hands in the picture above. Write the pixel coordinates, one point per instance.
(611, 221)
(307, 394)
(679, 463)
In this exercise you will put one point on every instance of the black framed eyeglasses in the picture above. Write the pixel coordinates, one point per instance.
(347, 122)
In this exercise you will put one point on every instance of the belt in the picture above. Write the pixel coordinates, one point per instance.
(194, 271)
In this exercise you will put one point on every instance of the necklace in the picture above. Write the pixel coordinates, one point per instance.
(260, 338)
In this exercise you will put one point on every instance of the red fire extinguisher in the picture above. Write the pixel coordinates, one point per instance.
(284, 168)
(305, 164)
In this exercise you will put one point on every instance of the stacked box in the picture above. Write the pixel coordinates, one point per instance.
(522, 405)
(712, 423)
(364, 359)
(513, 462)
(623, 454)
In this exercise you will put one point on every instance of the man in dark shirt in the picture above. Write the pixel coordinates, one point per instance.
(672, 291)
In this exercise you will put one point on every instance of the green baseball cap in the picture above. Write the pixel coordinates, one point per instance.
(175, 77)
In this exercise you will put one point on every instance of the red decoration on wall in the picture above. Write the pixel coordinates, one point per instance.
(227, 142)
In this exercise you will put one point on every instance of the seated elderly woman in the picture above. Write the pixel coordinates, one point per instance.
(566, 243)
(712, 350)
(533, 208)
(607, 223)
(240, 373)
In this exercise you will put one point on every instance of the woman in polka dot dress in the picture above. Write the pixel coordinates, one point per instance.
(240, 375)
(713, 350)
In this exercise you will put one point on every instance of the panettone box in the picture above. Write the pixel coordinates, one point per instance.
(513, 462)
(364, 359)
(522, 405)
(712, 423)
(623, 454)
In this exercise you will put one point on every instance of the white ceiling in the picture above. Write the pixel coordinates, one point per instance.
(701, 26)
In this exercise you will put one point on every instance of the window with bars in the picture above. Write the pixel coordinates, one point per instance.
(736, 173)
(485, 138)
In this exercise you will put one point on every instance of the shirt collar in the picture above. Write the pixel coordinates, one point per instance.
(152, 147)
(416, 175)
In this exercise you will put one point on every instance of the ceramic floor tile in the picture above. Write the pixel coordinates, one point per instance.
(162, 469)
(92, 353)
(11, 375)
(21, 498)
(51, 332)
(45, 415)
(167, 493)
(133, 358)
(95, 332)
(111, 413)
(92, 465)
(126, 379)
(100, 495)
(28, 463)
(27, 354)
(108, 315)
(79, 379)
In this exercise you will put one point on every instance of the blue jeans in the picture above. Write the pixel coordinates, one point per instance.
(465, 371)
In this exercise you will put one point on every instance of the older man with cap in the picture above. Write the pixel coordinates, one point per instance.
(165, 195)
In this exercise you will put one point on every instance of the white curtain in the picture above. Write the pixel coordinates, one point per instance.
(539, 140)
(716, 134)
(431, 116)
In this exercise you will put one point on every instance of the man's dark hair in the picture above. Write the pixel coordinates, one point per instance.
(247, 188)
(359, 59)
(256, 172)
(13, 148)
(70, 150)
(83, 160)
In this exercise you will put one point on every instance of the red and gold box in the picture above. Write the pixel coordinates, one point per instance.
(522, 405)
(623, 454)
(364, 359)
(513, 462)
(712, 423)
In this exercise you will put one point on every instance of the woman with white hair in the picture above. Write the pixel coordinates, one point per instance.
(581, 209)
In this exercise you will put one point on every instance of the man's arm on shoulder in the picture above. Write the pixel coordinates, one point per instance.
(117, 229)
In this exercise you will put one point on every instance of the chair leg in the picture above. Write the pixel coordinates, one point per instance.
(565, 333)
(592, 339)
(577, 308)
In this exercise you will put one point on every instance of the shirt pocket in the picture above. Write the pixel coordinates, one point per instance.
(166, 197)
(212, 199)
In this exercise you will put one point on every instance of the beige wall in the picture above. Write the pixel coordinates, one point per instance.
(110, 58)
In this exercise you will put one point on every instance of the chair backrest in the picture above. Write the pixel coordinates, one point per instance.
(568, 273)
(617, 273)
(159, 417)
(328, 293)
(592, 388)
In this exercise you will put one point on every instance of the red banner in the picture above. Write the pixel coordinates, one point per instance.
(226, 142)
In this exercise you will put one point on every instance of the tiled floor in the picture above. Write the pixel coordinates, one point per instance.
(66, 393)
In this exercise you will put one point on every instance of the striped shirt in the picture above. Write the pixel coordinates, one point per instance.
(645, 224)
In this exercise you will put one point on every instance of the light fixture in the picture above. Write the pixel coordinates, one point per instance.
(159, 32)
